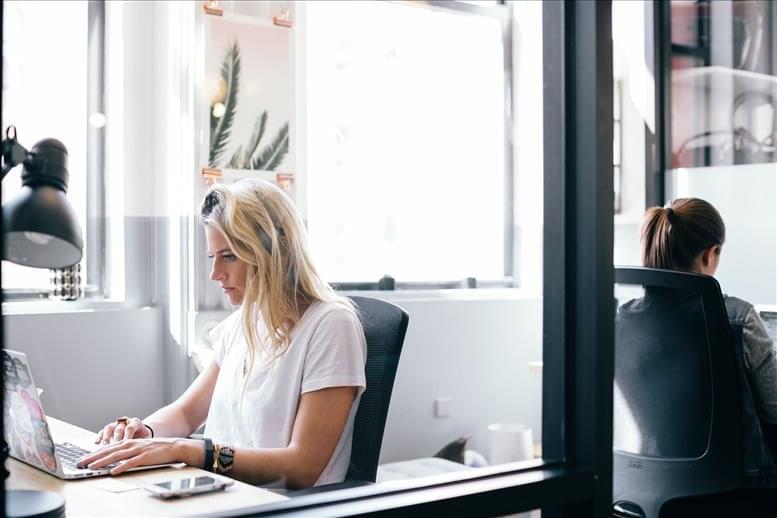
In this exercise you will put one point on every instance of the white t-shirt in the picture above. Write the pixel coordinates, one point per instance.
(327, 349)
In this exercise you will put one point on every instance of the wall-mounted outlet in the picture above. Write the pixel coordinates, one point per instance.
(442, 407)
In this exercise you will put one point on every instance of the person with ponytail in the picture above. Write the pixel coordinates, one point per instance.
(688, 235)
(279, 398)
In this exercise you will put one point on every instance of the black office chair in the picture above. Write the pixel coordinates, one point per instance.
(677, 428)
(385, 325)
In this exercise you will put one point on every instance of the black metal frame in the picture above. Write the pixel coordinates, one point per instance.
(576, 477)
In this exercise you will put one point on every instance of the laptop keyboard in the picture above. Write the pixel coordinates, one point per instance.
(69, 455)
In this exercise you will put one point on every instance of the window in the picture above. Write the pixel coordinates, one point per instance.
(406, 142)
(45, 85)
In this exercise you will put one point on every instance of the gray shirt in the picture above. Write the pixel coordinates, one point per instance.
(760, 359)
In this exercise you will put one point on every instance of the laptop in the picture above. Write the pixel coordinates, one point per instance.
(27, 432)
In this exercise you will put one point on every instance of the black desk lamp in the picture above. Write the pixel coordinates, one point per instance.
(39, 225)
(40, 229)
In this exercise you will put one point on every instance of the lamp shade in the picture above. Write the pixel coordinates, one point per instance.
(40, 226)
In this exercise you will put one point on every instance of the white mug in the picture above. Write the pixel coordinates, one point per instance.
(509, 442)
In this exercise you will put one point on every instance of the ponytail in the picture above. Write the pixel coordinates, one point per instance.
(673, 237)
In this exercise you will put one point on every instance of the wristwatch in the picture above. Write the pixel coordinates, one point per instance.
(222, 458)
(209, 454)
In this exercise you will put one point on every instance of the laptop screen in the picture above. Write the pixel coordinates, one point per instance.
(26, 431)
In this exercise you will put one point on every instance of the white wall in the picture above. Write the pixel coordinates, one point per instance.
(746, 196)
(92, 365)
(475, 349)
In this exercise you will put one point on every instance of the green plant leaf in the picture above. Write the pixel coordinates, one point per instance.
(222, 126)
(273, 154)
(253, 144)
(238, 160)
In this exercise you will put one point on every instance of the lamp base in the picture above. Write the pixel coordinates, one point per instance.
(22, 503)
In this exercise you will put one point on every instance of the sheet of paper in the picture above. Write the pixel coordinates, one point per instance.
(112, 485)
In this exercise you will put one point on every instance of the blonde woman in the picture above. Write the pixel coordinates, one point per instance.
(279, 399)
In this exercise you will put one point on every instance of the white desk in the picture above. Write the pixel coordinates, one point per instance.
(94, 496)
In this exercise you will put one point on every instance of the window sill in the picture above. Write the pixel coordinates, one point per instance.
(448, 294)
(37, 307)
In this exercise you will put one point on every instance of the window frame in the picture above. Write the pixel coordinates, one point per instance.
(94, 226)
(574, 478)
(96, 233)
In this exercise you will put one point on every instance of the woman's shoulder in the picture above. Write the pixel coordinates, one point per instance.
(329, 319)
(738, 310)
(226, 327)
(331, 311)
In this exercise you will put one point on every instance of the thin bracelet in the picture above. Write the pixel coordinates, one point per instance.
(149, 429)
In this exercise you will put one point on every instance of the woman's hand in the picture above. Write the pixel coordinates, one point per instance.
(121, 429)
(131, 453)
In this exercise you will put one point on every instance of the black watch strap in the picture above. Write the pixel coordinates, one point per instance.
(208, 445)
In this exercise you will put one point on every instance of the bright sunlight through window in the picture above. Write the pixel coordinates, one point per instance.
(406, 142)
(44, 96)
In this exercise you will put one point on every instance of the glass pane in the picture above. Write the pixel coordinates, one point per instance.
(722, 121)
(633, 99)
(724, 99)
(406, 162)
(406, 142)
(44, 96)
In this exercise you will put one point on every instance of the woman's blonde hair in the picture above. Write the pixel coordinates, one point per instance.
(264, 230)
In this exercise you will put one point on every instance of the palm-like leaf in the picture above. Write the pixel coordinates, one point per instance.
(273, 154)
(256, 138)
(222, 126)
(238, 160)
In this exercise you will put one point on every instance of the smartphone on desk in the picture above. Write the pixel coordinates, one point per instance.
(187, 486)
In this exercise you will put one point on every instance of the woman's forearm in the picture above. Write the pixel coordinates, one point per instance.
(184, 415)
(255, 466)
(170, 421)
(261, 466)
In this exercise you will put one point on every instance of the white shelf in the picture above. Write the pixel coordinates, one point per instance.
(724, 78)
(767, 168)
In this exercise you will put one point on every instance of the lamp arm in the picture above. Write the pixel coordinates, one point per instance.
(13, 152)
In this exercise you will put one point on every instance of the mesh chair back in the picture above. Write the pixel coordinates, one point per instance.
(676, 390)
(385, 325)
(663, 336)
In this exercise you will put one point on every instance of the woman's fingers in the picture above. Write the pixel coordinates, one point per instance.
(121, 429)
(130, 453)
(107, 433)
(118, 431)
(101, 453)
(131, 429)
(117, 456)
(137, 460)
